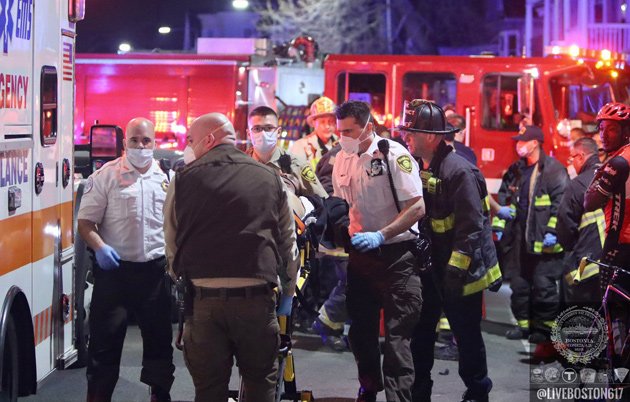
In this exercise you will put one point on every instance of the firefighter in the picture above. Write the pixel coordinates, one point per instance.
(381, 267)
(322, 118)
(464, 258)
(536, 183)
(609, 189)
(121, 218)
(263, 132)
(581, 233)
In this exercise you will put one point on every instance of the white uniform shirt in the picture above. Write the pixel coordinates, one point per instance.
(363, 182)
(127, 208)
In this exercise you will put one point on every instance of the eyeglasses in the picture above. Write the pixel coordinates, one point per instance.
(572, 157)
(260, 129)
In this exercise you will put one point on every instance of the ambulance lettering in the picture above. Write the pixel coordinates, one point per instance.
(13, 91)
(24, 18)
(13, 168)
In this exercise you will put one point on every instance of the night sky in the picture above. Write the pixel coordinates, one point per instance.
(108, 22)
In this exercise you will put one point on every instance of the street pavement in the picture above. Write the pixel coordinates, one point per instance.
(332, 376)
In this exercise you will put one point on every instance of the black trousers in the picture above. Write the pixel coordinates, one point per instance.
(464, 316)
(535, 297)
(137, 287)
(384, 278)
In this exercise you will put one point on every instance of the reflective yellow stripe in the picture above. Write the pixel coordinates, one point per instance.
(589, 271)
(538, 248)
(459, 260)
(486, 204)
(498, 223)
(493, 275)
(549, 324)
(523, 324)
(432, 185)
(443, 225)
(542, 201)
(429, 182)
(443, 324)
(598, 218)
(513, 212)
(323, 317)
(338, 252)
(553, 221)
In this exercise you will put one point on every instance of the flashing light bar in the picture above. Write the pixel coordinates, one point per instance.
(606, 56)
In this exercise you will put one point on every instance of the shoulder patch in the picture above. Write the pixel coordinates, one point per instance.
(404, 163)
(308, 174)
(165, 184)
(88, 185)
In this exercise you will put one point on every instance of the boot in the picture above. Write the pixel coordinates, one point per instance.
(517, 333)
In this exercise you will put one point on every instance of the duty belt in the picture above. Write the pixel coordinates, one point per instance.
(232, 293)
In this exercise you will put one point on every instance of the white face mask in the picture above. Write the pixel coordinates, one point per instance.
(352, 145)
(264, 142)
(524, 150)
(189, 155)
(140, 158)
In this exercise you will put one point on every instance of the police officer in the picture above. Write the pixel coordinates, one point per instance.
(464, 258)
(322, 118)
(263, 132)
(121, 219)
(609, 189)
(581, 233)
(381, 268)
(537, 182)
(229, 230)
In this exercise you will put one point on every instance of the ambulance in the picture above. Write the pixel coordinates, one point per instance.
(41, 289)
(559, 92)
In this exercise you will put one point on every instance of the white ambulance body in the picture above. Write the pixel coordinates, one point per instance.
(37, 280)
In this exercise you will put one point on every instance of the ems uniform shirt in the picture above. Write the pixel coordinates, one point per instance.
(307, 181)
(363, 182)
(127, 208)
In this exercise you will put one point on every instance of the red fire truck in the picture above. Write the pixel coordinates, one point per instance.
(493, 93)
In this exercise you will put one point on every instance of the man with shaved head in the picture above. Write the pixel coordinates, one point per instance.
(230, 233)
(121, 220)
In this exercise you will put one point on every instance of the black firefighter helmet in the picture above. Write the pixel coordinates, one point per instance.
(423, 116)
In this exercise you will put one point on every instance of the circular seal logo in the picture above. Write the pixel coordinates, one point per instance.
(579, 334)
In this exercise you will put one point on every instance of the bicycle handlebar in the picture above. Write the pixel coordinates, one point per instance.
(586, 260)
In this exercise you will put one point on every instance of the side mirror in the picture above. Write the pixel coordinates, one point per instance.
(106, 144)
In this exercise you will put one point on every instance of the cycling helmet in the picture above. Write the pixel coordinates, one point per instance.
(614, 111)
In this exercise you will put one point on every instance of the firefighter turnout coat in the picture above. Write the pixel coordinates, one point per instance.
(546, 187)
(458, 210)
(580, 233)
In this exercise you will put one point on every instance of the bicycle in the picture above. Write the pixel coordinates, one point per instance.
(616, 308)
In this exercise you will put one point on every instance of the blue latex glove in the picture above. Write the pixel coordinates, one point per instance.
(285, 306)
(107, 258)
(506, 213)
(499, 235)
(550, 240)
(367, 240)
